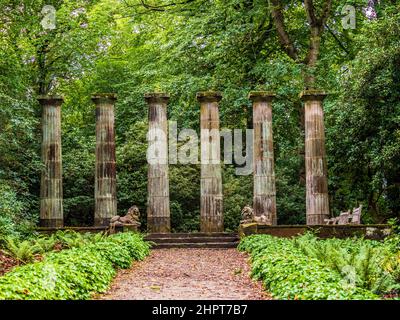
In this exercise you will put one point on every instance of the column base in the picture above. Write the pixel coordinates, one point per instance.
(316, 219)
(211, 224)
(265, 206)
(158, 224)
(51, 223)
(266, 220)
(102, 222)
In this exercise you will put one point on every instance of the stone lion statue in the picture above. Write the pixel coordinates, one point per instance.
(261, 219)
(249, 217)
(130, 219)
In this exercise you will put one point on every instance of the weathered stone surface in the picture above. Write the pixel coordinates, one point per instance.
(158, 209)
(51, 189)
(105, 178)
(264, 193)
(211, 197)
(317, 200)
(131, 221)
(51, 230)
(375, 232)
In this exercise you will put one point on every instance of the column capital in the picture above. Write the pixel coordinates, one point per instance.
(45, 100)
(104, 97)
(257, 96)
(209, 96)
(308, 95)
(156, 97)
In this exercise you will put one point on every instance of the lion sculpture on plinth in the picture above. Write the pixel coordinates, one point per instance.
(130, 219)
(249, 217)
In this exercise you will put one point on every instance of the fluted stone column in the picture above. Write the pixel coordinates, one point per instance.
(264, 196)
(211, 198)
(158, 211)
(105, 179)
(315, 158)
(51, 190)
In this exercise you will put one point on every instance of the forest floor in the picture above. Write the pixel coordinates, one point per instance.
(192, 274)
(6, 263)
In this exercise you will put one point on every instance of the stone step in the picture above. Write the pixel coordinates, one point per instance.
(194, 240)
(190, 235)
(199, 245)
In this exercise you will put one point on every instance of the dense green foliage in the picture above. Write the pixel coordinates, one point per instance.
(131, 47)
(308, 268)
(27, 249)
(11, 213)
(75, 273)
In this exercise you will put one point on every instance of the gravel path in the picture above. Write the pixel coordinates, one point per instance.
(192, 274)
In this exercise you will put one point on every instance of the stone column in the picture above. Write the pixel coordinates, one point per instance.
(51, 190)
(105, 179)
(158, 211)
(264, 194)
(315, 158)
(211, 198)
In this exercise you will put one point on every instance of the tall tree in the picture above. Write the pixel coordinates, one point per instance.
(316, 23)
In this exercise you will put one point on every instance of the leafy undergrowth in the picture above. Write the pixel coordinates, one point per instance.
(333, 269)
(75, 273)
(23, 251)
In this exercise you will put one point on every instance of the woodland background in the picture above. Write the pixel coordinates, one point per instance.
(181, 47)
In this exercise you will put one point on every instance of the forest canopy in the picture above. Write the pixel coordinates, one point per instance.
(131, 47)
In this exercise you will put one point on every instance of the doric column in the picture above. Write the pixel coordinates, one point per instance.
(211, 198)
(315, 158)
(105, 179)
(264, 196)
(51, 190)
(158, 211)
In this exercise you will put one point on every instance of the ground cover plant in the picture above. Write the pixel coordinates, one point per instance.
(28, 249)
(75, 273)
(306, 267)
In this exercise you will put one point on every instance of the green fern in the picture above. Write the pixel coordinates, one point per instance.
(94, 238)
(45, 244)
(23, 251)
(358, 259)
(70, 239)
